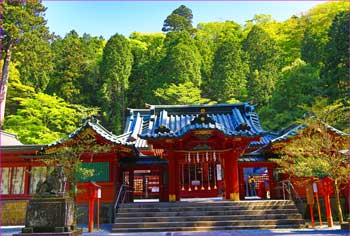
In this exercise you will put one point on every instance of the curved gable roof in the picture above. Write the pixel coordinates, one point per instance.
(175, 121)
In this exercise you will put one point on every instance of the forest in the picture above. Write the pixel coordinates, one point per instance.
(51, 83)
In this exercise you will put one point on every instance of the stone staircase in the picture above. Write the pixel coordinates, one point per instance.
(206, 216)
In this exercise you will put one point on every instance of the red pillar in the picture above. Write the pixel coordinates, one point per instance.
(227, 173)
(235, 191)
(172, 176)
(231, 176)
(131, 182)
(91, 214)
(328, 210)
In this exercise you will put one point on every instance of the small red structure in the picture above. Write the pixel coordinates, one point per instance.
(325, 187)
(94, 192)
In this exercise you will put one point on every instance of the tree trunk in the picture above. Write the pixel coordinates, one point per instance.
(340, 212)
(4, 81)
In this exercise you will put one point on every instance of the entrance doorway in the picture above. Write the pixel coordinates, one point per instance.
(261, 182)
(201, 176)
(145, 184)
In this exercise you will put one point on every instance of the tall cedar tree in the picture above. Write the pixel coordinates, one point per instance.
(68, 61)
(115, 70)
(180, 19)
(208, 37)
(265, 63)
(336, 71)
(20, 19)
(147, 50)
(182, 61)
(228, 77)
(76, 71)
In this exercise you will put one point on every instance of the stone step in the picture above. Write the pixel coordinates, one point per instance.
(195, 224)
(207, 218)
(205, 203)
(205, 229)
(207, 213)
(203, 208)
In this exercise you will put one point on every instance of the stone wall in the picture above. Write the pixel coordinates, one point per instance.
(13, 212)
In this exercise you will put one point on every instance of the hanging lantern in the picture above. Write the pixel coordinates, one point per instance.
(206, 156)
(189, 157)
(197, 157)
(214, 156)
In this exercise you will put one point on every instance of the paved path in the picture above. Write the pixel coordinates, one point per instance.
(105, 230)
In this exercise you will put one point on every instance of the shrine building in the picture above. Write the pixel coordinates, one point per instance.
(166, 153)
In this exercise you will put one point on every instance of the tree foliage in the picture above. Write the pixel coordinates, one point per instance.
(22, 24)
(185, 65)
(298, 85)
(41, 118)
(180, 19)
(316, 150)
(317, 23)
(115, 70)
(183, 93)
(265, 62)
(337, 61)
(228, 79)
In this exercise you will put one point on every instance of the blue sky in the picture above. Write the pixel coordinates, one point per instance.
(109, 17)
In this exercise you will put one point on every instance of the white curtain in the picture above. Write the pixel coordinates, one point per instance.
(5, 180)
(18, 180)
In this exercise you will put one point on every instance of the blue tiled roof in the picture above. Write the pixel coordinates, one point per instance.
(175, 121)
(266, 139)
(294, 130)
(288, 133)
(100, 130)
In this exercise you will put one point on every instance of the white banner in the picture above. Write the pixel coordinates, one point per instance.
(218, 172)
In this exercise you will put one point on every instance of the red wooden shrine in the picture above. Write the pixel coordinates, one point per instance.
(165, 153)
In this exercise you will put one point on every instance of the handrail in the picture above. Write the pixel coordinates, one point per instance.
(288, 187)
(122, 193)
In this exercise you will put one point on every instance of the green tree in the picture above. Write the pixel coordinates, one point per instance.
(265, 62)
(317, 21)
(115, 70)
(184, 93)
(298, 85)
(33, 58)
(148, 51)
(180, 19)
(16, 90)
(182, 61)
(76, 72)
(20, 22)
(90, 80)
(208, 37)
(228, 78)
(68, 62)
(336, 71)
(291, 34)
(42, 118)
(316, 151)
